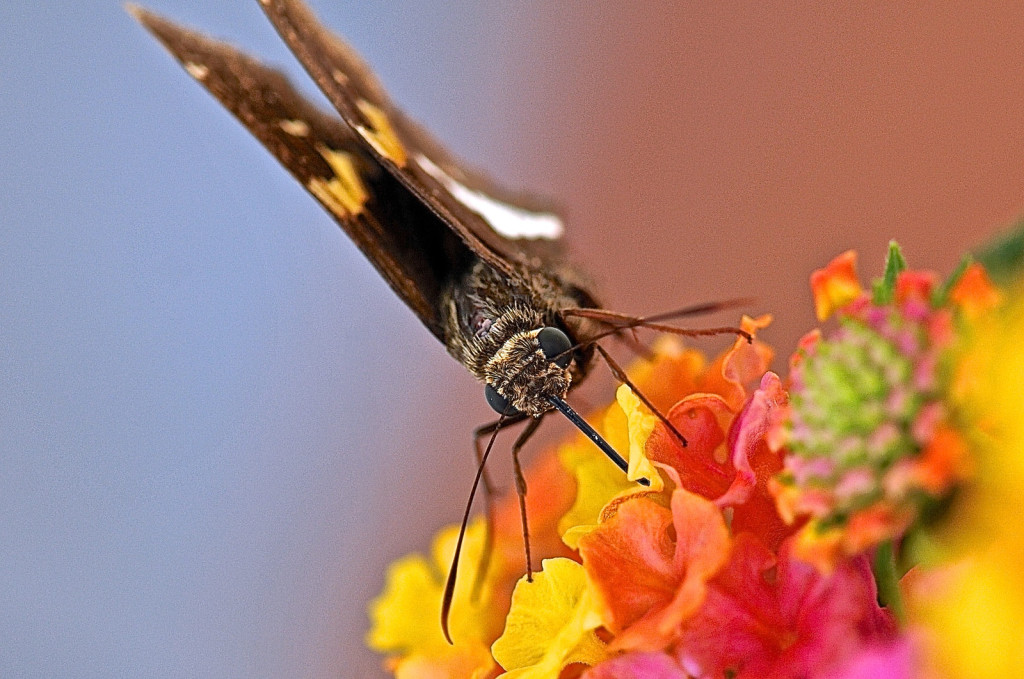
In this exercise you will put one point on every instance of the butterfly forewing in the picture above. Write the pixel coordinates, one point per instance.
(413, 249)
(493, 223)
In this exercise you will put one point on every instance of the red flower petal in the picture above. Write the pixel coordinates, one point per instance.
(732, 470)
(779, 617)
(703, 465)
(914, 285)
(638, 666)
(756, 463)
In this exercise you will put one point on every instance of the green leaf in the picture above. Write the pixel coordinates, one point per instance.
(883, 289)
(1003, 257)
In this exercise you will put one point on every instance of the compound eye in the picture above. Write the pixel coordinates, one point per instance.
(498, 402)
(556, 345)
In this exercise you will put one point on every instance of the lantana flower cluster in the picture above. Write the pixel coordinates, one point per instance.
(871, 435)
(777, 541)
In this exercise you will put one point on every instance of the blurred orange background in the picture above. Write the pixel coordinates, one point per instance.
(710, 150)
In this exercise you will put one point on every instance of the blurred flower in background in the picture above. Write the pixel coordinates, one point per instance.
(968, 596)
(853, 519)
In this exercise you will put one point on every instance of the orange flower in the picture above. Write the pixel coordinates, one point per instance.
(836, 285)
(648, 577)
(748, 555)
(974, 291)
(699, 398)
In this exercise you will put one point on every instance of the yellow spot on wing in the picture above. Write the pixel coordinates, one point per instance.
(382, 136)
(295, 127)
(344, 194)
(197, 71)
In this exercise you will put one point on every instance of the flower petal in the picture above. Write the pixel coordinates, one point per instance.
(757, 462)
(647, 582)
(768, 616)
(629, 561)
(411, 586)
(703, 466)
(974, 292)
(673, 373)
(641, 422)
(740, 367)
(748, 433)
(915, 286)
(894, 660)
(550, 624)
(406, 616)
(597, 481)
(835, 285)
(637, 666)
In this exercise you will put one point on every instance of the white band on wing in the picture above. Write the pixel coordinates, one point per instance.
(508, 220)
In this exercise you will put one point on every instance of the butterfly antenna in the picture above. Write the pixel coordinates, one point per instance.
(701, 309)
(449, 586)
(592, 434)
(616, 318)
(619, 322)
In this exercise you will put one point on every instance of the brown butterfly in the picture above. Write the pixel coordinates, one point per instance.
(481, 268)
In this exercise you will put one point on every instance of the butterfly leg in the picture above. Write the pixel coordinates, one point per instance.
(524, 436)
(480, 434)
(621, 376)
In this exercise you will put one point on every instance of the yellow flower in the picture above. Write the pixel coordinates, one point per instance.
(640, 422)
(597, 481)
(550, 625)
(555, 624)
(976, 619)
(407, 615)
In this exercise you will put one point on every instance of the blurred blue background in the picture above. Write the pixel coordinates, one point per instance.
(218, 426)
(211, 417)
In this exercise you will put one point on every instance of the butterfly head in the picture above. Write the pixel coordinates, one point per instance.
(529, 369)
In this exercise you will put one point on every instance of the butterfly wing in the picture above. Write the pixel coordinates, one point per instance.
(498, 226)
(414, 250)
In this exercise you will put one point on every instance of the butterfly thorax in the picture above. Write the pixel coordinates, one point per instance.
(492, 322)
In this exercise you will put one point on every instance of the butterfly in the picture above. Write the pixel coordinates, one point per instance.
(482, 268)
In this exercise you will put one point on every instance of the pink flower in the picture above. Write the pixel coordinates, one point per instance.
(774, 616)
